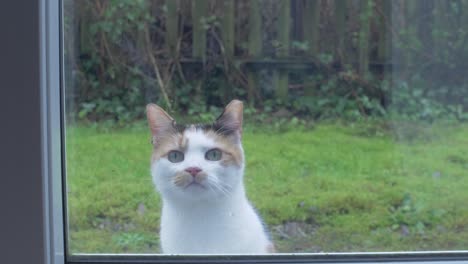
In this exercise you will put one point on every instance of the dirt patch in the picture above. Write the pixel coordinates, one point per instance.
(295, 237)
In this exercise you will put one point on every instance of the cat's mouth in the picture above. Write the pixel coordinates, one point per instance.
(194, 184)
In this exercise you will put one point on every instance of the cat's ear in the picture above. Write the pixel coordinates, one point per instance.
(159, 121)
(230, 121)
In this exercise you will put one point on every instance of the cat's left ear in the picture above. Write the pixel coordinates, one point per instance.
(230, 121)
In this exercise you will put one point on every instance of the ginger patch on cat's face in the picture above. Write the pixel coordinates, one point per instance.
(232, 153)
(170, 142)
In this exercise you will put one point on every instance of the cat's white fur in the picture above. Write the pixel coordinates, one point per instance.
(214, 218)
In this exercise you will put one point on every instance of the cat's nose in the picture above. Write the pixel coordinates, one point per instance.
(193, 170)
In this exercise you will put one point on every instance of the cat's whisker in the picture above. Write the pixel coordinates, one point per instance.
(220, 190)
(219, 186)
(211, 188)
(212, 183)
(226, 190)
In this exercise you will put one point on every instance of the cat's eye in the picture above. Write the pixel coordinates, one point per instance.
(213, 154)
(175, 156)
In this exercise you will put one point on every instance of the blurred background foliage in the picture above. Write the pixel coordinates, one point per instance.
(308, 59)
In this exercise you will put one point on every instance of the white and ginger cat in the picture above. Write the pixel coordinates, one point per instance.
(198, 170)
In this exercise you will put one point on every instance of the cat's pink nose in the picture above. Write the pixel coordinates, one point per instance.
(193, 170)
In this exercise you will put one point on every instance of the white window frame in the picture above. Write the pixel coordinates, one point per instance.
(48, 244)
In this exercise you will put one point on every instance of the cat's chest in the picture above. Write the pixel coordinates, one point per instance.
(198, 231)
(204, 221)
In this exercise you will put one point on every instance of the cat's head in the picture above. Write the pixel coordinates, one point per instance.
(197, 162)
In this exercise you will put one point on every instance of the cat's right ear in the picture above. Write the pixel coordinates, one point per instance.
(159, 121)
(230, 121)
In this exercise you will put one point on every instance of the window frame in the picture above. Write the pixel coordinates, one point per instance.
(53, 189)
(53, 151)
(445, 257)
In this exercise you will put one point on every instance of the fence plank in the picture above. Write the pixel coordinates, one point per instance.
(384, 32)
(172, 26)
(255, 46)
(284, 30)
(385, 47)
(426, 24)
(365, 17)
(340, 20)
(464, 12)
(411, 26)
(199, 9)
(84, 26)
(255, 32)
(440, 24)
(311, 22)
(228, 28)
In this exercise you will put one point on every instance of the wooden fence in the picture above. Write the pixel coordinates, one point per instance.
(304, 17)
(352, 36)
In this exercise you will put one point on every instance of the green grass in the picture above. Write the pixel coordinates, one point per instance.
(334, 187)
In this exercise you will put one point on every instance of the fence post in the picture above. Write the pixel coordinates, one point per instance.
(365, 18)
(255, 46)
(172, 26)
(281, 77)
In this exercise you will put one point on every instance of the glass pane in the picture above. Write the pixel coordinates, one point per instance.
(354, 129)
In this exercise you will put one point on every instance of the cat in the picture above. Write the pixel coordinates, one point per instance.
(198, 171)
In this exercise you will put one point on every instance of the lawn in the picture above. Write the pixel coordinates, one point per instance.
(331, 187)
